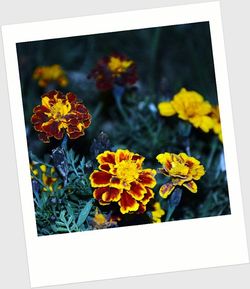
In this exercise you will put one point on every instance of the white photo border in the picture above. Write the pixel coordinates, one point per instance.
(134, 250)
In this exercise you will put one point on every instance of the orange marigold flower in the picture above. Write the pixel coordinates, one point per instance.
(122, 179)
(114, 69)
(190, 106)
(182, 169)
(49, 74)
(215, 115)
(60, 113)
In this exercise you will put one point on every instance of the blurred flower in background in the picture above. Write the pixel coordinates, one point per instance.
(114, 69)
(190, 106)
(50, 74)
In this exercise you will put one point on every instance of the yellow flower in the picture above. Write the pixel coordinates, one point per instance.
(182, 169)
(48, 74)
(157, 213)
(122, 179)
(47, 176)
(215, 115)
(190, 106)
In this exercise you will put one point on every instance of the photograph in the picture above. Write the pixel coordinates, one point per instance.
(123, 128)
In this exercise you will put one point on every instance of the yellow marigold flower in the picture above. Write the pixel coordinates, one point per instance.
(47, 175)
(122, 179)
(190, 106)
(49, 74)
(157, 213)
(183, 171)
(215, 115)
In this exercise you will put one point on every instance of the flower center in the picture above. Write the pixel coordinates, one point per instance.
(192, 108)
(118, 66)
(178, 169)
(127, 171)
(60, 109)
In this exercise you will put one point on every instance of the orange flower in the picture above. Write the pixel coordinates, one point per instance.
(60, 113)
(122, 179)
(50, 74)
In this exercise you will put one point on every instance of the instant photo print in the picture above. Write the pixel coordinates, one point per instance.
(124, 144)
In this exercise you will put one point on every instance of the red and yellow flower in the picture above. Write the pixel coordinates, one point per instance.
(50, 74)
(48, 176)
(58, 114)
(190, 106)
(157, 213)
(122, 179)
(182, 170)
(114, 69)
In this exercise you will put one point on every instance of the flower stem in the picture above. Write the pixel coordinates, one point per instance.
(212, 153)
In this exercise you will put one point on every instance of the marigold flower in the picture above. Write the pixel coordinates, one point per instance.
(60, 113)
(122, 179)
(101, 221)
(157, 213)
(49, 74)
(215, 115)
(182, 169)
(114, 69)
(190, 106)
(47, 176)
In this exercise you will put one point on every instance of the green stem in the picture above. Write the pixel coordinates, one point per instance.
(212, 153)
(122, 111)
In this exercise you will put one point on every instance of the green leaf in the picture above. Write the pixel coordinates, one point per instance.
(84, 213)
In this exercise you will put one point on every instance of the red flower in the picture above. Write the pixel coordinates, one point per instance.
(122, 179)
(114, 69)
(58, 114)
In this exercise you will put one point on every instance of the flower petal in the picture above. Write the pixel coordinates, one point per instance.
(98, 195)
(148, 196)
(146, 177)
(100, 179)
(123, 155)
(166, 190)
(111, 195)
(166, 109)
(127, 203)
(191, 186)
(137, 190)
(106, 157)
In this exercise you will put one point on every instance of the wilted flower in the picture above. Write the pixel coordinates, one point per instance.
(50, 74)
(114, 69)
(48, 176)
(122, 179)
(190, 106)
(157, 213)
(58, 114)
(215, 115)
(182, 169)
